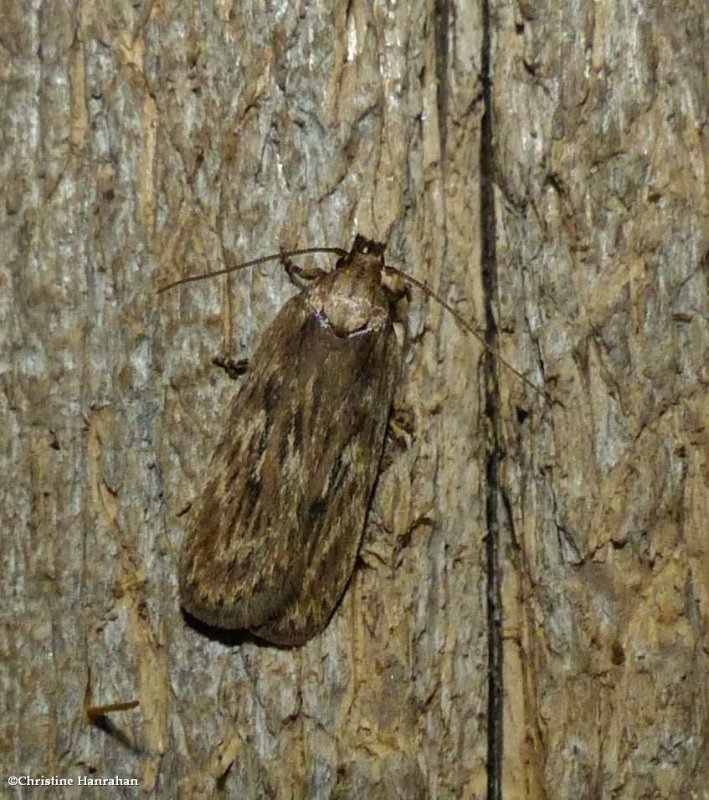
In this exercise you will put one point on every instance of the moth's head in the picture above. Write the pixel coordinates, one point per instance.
(368, 247)
(364, 251)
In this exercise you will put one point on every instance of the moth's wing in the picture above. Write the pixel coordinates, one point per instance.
(353, 382)
(237, 567)
(305, 430)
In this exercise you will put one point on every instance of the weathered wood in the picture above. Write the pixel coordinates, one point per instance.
(145, 141)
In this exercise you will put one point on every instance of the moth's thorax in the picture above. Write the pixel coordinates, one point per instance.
(352, 299)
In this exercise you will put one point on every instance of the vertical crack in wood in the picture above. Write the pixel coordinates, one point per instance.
(488, 254)
(442, 22)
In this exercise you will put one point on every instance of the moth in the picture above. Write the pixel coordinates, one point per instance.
(277, 527)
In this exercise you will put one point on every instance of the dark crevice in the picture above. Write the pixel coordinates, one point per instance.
(488, 255)
(442, 22)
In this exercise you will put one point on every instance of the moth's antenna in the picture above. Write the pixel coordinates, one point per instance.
(466, 326)
(276, 257)
(387, 268)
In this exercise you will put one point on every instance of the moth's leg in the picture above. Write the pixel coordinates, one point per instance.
(399, 291)
(299, 276)
(399, 435)
(234, 367)
(401, 426)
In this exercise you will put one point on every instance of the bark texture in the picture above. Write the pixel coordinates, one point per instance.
(529, 615)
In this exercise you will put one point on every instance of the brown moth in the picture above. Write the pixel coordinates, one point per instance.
(277, 527)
